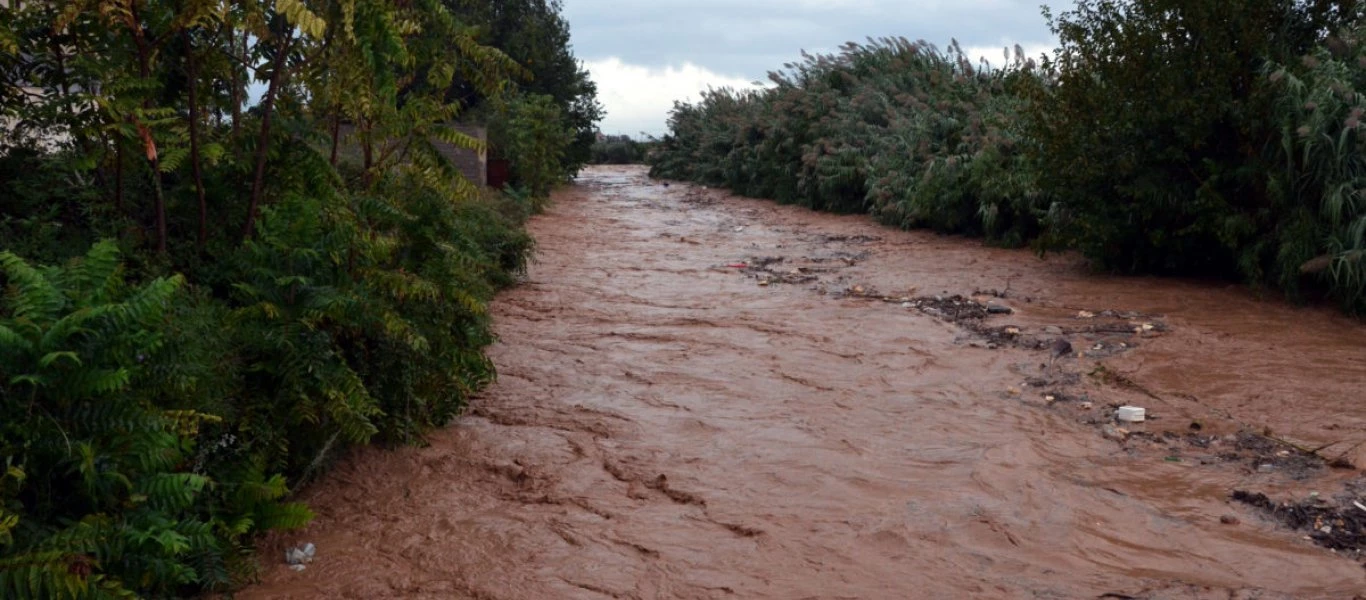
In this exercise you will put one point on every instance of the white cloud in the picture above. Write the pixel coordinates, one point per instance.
(638, 98)
(996, 56)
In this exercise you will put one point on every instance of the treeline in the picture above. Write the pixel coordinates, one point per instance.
(621, 150)
(231, 248)
(1194, 137)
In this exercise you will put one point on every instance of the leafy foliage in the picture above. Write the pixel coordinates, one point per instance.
(1204, 175)
(621, 150)
(913, 135)
(535, 131)
(251, 304)
(535, 34)
(1165, 136)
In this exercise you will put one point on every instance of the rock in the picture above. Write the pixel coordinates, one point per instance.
(996, 309)
(297, 568)
(1229, 520)
(1060, 348)
(1266, 468)
(1052, 330)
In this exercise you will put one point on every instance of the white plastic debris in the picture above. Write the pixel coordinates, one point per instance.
(1131, 414)
(302, 555)
(297, 568)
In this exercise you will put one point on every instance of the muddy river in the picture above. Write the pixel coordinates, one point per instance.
(703, 396)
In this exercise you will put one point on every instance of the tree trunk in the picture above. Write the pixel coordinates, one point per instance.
(118, 174)
(336, 134)
(367, 152)
(160, 196)
(236, 84)
(263, 141)
(192, 74)
(145, 70)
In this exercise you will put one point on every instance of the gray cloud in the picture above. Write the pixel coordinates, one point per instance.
(751, 38)
(645, 54)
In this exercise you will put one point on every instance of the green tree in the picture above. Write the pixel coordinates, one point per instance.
(1157, 133)
(535, 34)
(251, 304)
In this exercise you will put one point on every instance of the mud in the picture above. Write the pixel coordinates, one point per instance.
(703, 396)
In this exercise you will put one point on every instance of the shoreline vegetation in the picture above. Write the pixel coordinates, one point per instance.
(1161, 136)
(230, 248)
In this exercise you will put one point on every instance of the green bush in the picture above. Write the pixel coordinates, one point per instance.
(1206, 174)
(235, 305)
(1162, 136)
(102, 495)
(619, 150)
(532, 130)
(915, 136)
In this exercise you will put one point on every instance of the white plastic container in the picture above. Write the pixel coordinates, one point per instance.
(1131, 414)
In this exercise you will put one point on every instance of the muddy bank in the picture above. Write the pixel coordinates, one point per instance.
(713, 397)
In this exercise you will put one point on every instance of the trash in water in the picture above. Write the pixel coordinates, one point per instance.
(1110, 432)
(1131, 414)
(1086, 314)
(301, 555)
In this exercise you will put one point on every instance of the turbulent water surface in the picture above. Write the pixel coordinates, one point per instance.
(703, 396)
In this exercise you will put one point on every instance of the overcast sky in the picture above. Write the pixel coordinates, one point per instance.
(644, 54)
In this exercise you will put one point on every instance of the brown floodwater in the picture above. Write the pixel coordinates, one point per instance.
(665, 425)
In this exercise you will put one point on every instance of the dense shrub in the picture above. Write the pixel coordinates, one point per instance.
(1209, 173)
(533, 130)
(1165, 136)
(203, 305)
(913, 135)
(620, 150)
